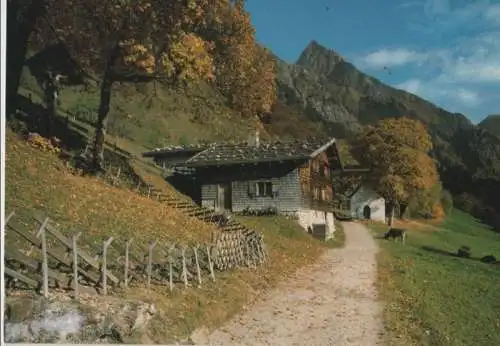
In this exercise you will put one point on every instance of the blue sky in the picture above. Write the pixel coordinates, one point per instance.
(446, 51)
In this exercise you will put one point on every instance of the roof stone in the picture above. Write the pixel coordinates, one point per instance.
(244, 153)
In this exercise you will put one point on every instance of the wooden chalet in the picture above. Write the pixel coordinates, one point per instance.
(289, 177)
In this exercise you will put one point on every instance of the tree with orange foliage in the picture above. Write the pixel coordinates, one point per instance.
(244, 71)
(397, 150)
(129, 41)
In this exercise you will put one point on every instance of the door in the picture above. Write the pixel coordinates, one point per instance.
(367, 212)
(319, 231)
(223, 201)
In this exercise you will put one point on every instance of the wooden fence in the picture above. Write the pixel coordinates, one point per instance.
(56, 260)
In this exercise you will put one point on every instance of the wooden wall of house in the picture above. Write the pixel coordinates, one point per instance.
(313, 180)
(287, 198)
(284, 178)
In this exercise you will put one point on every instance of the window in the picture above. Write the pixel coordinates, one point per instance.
(264, 189)
(323, 194)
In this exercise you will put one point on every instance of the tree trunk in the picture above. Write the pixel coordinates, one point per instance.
(102, 116)
(21, 21)
(391, 214)
(402, 210)
(50, 92)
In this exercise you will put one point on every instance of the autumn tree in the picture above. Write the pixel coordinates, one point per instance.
(244, 71)
(397, 150)
(130, 41)
(424, 203)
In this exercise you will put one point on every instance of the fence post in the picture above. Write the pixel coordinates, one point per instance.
(170, 267)
(247, 248)
(210, 264)
(184, 268)
(75, 263)
(263, 247)
(127, 250)
(7, 219)
(195, 249)
(45, 264)
(104, 265)
(152, 244)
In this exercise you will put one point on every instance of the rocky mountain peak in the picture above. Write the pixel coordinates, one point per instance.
(318, 58)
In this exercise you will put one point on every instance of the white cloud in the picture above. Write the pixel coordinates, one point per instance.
(493, 13)
(412, 86)
(437, 7)
(474, 60)
(476, 71)
(467, 97)
(444, 16)
(392, 58)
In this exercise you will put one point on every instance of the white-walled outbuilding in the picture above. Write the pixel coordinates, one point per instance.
(366, 204)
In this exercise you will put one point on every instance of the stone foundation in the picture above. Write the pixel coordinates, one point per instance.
(314, 222)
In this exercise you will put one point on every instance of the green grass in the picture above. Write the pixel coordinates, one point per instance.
(148, 117)
(154, 119)
(289, 228)
(435, 298)
(339, 240)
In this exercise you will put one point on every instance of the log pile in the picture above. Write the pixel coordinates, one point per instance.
(234, 249)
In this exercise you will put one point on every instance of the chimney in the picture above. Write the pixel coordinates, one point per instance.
(257, 138)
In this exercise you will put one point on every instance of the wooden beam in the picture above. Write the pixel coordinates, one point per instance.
(27, 280)
(83, 255)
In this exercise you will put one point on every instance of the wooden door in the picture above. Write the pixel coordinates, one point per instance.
(223, 201)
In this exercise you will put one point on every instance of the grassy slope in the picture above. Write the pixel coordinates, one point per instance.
(434, 298)
(172, 116)
(39, 180)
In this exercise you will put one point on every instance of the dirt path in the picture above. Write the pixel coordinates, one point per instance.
(332, 302)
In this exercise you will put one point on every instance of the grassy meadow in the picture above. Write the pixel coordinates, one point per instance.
(433, 297)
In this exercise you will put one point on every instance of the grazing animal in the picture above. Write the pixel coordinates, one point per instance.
(396, 233)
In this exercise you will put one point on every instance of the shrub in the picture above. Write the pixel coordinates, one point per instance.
(490, 259)
(467, 202)
(270, 211)
(84, 113)
(438, 212)
(446, 201)
(48, 145)
(464, 252)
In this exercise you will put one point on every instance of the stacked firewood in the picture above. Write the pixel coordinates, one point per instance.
(238, 248)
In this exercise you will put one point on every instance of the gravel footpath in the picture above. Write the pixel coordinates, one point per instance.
(333, 302)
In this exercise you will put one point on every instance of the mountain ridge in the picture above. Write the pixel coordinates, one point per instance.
(329, 89)
(491, 123)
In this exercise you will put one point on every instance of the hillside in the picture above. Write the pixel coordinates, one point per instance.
(38, 180)
(332, 91)
(436, 297)
(492, 124)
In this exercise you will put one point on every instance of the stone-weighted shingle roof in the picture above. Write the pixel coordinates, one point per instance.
(221, 154)
(174, 149)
